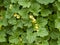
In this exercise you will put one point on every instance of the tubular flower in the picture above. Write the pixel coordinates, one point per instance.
(16, 15)
(36, 27)
(10, 7)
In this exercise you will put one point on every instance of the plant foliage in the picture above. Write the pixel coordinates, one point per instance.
(29, 22)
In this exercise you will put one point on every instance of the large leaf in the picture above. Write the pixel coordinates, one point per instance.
(24, 3)
(2, 36)
(30, 36)
(42, 32)
(34, 8)
(45, 12)
(45, 2)
(13, 39)
(57, 24)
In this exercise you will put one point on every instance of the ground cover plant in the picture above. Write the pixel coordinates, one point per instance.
(29, 22)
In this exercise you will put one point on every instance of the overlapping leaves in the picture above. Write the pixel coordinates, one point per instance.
(30, 22)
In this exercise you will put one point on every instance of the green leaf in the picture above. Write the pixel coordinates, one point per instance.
(30, 36)
(57, 24)
(28, 24)
(24, 3)
(8, 14)
(45, 42)
(58, 0)
(34, 8)
(14, 1)
(24, 13)
(58, 41)
(6, 3)
(42, 21)
(12, 21)
(45, 2)
(13, 39)
(4, 22)
(2, 36)
(42, 32)
(24, 40)
(53, 42)
(57, 4)
(58, 14)
(54, 34)
(19, 24)
(45, 12)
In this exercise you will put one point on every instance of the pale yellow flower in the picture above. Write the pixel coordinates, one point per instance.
(18, 16)
(10, 7)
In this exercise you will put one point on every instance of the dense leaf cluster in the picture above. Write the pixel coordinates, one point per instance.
(29, 22)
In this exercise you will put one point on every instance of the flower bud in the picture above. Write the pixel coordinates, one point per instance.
(20, 39)
(36, 27)
(31, 16)
(18, 16)
(15, 15)
(34, 21)
(10, 7)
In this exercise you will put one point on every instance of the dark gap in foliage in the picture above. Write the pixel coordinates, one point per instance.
(7, 38)
(30, 13)
(33, 41)
(19, 35)
(24, 28)
(25, 44)
(34, 31)
(54, 11)
(20, 7)
(39, 12)
(3, 8)
(38, 36)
